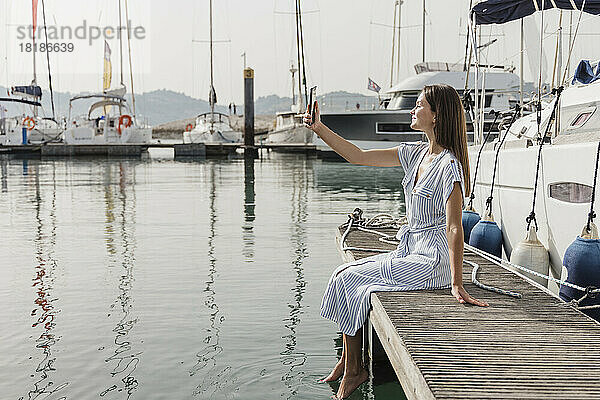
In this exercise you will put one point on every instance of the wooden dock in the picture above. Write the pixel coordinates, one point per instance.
(536, 347)
(137, 150)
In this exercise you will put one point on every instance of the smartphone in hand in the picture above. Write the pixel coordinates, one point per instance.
(312, 98)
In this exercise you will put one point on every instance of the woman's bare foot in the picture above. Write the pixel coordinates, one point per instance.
(350, 382)
(336, 373)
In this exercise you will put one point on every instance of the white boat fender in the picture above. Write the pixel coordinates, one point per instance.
(532, 254)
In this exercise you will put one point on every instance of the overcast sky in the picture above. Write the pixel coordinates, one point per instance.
(346, 42)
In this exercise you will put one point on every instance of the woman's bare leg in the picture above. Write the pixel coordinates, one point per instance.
(338, 370)
(354, 373)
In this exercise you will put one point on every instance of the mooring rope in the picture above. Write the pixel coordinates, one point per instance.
(488, 202)
(592, 214)
(472, 196)
(542, 140)
(589, 291)
(355, 220)
(381, 221)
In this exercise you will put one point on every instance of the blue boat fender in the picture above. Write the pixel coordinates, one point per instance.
(582, 261)
(487, 236)
(470, 218)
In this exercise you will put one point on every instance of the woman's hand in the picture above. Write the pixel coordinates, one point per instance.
(462, 296)
(307, 119)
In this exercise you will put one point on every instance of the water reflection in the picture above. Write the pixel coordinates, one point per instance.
(46, 311)
(125, 357)
(4, 167)
(249, 206)
(214, 377)
(292, 359)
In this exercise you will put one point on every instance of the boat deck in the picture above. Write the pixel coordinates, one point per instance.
(536, 347)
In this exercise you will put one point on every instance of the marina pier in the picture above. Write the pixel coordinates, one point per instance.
(136, 150)
(535, 347)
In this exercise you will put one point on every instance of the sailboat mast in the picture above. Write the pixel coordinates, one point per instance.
(129, 50)
(298, 48)
(34, 19)
(212, 103)
(423, 30)
(521, 71)
(393, 45)
(121, 42)
(48, 61)
(398, 39)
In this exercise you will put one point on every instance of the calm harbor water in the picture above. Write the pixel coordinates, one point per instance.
(162, 279)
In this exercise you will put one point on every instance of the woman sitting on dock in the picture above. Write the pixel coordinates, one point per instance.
(430, 253)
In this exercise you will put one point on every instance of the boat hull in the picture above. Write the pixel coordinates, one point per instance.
(560, 212)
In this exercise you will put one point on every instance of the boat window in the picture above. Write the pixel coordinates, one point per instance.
(391, 127)
(582, 118)
(571, 192)
(488, 100)
(403, 101)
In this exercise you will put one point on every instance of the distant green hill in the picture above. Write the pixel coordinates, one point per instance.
(162, 106)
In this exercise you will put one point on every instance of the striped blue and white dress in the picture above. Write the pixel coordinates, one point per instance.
(421, 260)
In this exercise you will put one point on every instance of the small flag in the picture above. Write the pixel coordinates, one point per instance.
(212, 96)
(107, 76)
(34, 5)
(373, 86)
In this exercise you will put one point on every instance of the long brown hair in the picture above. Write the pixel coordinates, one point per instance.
(450, 128)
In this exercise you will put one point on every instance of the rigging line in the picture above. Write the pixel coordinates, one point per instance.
(129, 49)
(398, 27)
(542, 139)
(302, 52)
(491, 196)
(592, 214)
(467, 53)
(556, 49)
(572, 42)
(393, 46)
(121, 42)
(48, 60)
(541, 65)
(472, 196)
(298, 51)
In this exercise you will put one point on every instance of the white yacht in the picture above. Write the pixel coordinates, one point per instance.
(108, 121)
(289, 128)
(212, 127)
(27, 127)
(389, 126)
(565, 176)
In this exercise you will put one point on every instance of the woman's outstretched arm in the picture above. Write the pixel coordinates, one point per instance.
(350, 152)
(455, 236)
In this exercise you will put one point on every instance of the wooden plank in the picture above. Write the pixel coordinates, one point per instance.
(412, 381)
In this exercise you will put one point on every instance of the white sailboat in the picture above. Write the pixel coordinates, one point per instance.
(288, 124)
(109, 120)
(212, 127)
(28, 127)
(565, 171)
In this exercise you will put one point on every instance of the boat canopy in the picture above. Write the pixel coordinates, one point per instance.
(98, 96)
(11, 100)
(31, 90)
(585, 72)
(103, 103)
(502, 11)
